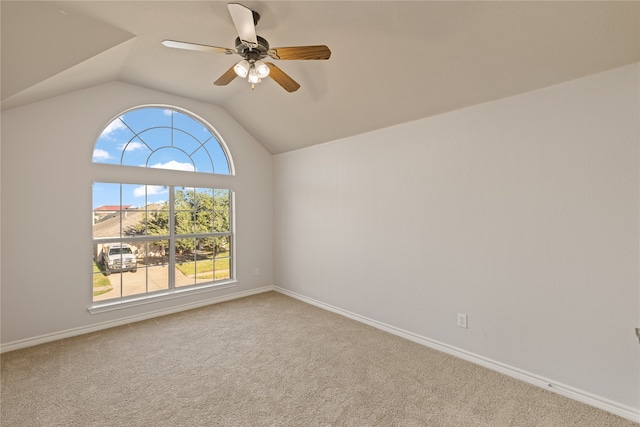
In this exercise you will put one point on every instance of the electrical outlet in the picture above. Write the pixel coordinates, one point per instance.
(256, 271)
(462, 320)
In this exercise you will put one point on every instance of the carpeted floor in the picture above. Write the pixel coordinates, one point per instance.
(266, 360)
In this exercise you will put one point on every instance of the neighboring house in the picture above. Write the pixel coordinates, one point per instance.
(107, 211)
(106, 222)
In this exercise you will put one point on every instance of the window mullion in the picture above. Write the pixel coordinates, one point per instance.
(172, 239)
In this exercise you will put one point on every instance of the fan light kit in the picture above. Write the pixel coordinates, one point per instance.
(256, 71)
(253, 49)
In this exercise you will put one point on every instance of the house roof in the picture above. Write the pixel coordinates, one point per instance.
(112, 207)
(392, 61)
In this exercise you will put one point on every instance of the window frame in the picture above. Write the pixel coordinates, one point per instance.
(144, 174)
(214, 132)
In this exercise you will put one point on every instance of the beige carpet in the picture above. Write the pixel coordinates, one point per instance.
(266, 360)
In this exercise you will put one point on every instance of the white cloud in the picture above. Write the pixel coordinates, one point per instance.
(175, 166)
(156, 189)
(115, 125)
(167, 112)
(139, 191)
(132, 146)
(99, 154)
(151, 190)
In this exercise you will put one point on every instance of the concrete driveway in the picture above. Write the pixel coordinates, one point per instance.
(155, 277)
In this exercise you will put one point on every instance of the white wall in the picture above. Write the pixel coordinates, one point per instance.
(47, 177)
(522, 213)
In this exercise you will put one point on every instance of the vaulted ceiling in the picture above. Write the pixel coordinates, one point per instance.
(391, 62)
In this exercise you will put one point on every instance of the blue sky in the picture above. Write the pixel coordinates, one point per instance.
(132, 194)
(155, 137)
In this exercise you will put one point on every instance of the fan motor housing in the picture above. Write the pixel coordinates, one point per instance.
(253, 54)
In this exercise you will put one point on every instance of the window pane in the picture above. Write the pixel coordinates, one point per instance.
(202, 160)
(156, 217)
(204, 268)
(185, 198)
(153, 261)
(106, 210)
(220, 163)
(221, 199)
(102, 288)
(185, 141)
(222, 246)
(133, 196)
(185, 262)
(156, 138)
(108, 148)
(135, 153)
(125, 256)
(118, 257)
(148, 117)
(204, 210)
(204, 222)
(222, 254)
(204, 198)
(184, 222)
(221, 221)
(114, 259)
(171, 158)
(191, 126)
(156, 194)
(184, 205)
(132, 214)
(221, 214)
(156, 253)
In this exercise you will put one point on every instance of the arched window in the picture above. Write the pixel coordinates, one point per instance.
(154, 240)
(161, 137)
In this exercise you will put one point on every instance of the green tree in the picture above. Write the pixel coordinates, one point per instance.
(198, 212)
(183, 216)
(157, 223)
(221, 224)
(221, 210)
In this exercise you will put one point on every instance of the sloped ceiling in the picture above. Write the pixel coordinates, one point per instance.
(40, 41)
(392, 61)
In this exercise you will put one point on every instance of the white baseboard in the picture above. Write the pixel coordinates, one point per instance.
(41, 339)
(562, 389)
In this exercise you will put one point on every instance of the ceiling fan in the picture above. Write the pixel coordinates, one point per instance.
(253, 49)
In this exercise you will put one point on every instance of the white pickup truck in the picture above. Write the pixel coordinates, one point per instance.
(118, 257)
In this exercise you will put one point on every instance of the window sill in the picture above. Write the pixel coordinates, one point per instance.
(135, 301)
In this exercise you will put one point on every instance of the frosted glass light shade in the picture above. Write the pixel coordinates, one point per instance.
(242, 68)
(253, 76)
(262, 69)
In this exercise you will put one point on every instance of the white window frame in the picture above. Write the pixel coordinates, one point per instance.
(173, 291)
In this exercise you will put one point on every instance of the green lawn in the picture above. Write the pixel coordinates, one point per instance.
(100, 281)
(205, 268)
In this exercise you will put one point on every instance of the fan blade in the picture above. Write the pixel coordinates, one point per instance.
(300, 52)
(194, 46)
(282, 78)
(243, 20)
(226, 78)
